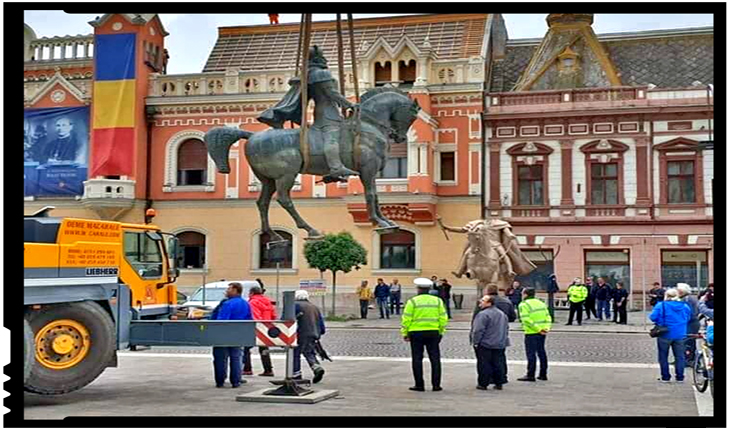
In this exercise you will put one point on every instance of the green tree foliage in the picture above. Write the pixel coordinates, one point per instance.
(336, 253)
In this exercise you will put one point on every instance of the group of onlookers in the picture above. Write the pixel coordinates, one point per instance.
(310, 327)
(597, 299)
(677, 313)
(388, 296)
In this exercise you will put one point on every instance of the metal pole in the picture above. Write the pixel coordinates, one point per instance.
(204, 285)
(304, 147)
(288, 315)
(341, 60)
(643, 288)
(278, 264)
(353, 60)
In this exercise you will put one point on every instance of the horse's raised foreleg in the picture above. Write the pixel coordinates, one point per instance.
(268, 187)
(283, 188)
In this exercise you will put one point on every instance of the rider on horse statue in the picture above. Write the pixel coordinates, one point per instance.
(327, 118)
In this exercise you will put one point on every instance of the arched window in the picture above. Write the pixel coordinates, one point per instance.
(192, 163)
(398, 250)
(191, 254)
(407, 72)
(282, 252)
(382, 74)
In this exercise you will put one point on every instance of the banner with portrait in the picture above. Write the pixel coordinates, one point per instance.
(56, 151)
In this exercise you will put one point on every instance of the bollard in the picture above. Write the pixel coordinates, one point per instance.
(289, 386)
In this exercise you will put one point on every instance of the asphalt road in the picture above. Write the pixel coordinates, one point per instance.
(568, 347)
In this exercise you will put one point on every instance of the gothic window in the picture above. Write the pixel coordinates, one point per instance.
(276, 84)
(269, 255)
(191, 254)
(192, 163)
(168, 89)
(383, 74)
(407, 72)
(398, 250)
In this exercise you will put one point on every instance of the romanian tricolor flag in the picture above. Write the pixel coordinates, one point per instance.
(114, 104)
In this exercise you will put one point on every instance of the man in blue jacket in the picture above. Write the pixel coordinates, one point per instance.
(382, 294)
(232, 308)
(674, 314)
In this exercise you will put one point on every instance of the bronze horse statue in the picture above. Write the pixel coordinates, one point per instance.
(275, 157)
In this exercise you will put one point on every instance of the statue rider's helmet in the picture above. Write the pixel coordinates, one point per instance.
(316, 58)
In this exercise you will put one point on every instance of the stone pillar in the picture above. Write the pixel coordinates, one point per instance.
(495, 201)
(642, 168)
(566, 177)
(63, 50)
(422, 79)
(423, 168)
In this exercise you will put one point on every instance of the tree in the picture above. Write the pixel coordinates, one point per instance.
(336, 253)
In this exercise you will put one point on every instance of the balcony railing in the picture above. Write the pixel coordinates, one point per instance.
(569, 96)
(62, 48)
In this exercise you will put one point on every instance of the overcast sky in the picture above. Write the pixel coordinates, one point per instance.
(192, 36)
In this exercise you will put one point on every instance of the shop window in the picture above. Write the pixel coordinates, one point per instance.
(191, 254)
(689, 267)
(192, 163)
(540, 277)
(398, 250)
(612, 266)
(531, 185)
(447, 166)
(383, 74)
(604, 183)
(281, 252)
(681, 182)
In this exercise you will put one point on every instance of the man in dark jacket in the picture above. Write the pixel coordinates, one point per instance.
(590, 303)
(382, 294)
(310, 327)
(503, 305)
(656, 294)
(514, 293)
(620, 299)
(233, 308)
(444, 290)
(603, 299)
(490, 338)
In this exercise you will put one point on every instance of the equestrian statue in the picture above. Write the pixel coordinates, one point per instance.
(491, 254)
(337, 146)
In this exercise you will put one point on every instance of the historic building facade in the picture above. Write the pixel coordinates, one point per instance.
(577, 145)
(595, 151)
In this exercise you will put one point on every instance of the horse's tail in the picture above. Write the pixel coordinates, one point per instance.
(219, 141)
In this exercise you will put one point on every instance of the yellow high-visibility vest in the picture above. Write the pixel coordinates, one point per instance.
(535, 316)
(577, 293)
(424, 312)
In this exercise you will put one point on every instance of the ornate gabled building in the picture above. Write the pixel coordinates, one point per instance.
(595, 150)
(441, 60)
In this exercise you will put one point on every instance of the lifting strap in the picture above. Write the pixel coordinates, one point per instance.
(353, 62)
(304, 84)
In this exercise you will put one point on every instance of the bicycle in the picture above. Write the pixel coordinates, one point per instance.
(703, 368)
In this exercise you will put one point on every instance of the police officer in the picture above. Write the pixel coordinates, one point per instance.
(577, 295)
(536, 323)
(423, 324)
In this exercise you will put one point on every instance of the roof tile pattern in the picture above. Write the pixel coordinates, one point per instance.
(667, 62)
(277, 48)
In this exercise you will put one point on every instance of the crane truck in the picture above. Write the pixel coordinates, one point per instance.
(94, 287)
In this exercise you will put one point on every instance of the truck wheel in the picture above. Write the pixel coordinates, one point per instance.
(28, 350)
(74, 343)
